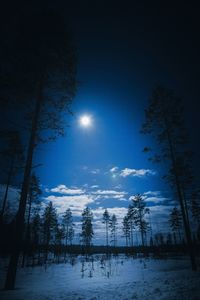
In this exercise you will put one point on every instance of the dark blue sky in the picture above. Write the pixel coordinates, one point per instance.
(123, 51)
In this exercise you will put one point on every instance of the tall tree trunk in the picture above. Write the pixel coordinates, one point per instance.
(27, 234)
(182, 203)
(131, 227)
(141, 229)
(10, 173)
(18, 237)
(107, 235)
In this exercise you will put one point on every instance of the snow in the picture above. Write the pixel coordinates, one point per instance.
(119, 278)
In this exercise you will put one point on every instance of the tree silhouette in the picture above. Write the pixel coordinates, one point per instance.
(13, 157)
(164, 120)
(195, 206)
(106, 220)
(113, 229)
(59, 236)
(33, 203)
(43, 80)
(139, 211)
(36, 228)
(49, 226)
(68, 225)
(87, 228)
(126, 229)
(131, 220)
(175, 220)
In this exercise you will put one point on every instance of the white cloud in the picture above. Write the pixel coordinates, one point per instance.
(156, 199)
(108, 192)
(152, 193)
(120, 212)
(136, 172)
(114, 169)
(118, 197)
(62, 189)
(94, 186)
(95, 171)
(75, 202)
(131, 172)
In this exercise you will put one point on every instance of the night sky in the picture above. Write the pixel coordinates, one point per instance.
(124, 49)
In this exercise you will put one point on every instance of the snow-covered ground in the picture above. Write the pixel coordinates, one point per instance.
(119, 278)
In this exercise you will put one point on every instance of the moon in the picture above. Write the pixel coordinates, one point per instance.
(85, 121)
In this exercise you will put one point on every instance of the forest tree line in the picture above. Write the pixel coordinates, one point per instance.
(47, 232)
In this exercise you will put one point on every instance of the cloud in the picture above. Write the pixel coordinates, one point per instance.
(131, 172)
(94, 186)
(75, 202)
(95, 171)
(62, 189)
(108, 192)
(114, 169)
(152, 193)
(118, 197)
(78, 198)
(120, 212)
(157, 197)
(136, 172)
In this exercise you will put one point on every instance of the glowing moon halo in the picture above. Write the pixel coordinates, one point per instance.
(85, 121)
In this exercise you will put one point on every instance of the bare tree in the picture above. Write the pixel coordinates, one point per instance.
(164, 120)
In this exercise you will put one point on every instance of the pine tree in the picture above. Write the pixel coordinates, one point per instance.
(49, 225)
(59, 236)
(195, 209)
(195, 206)
(164, 120)
(126, 229)
(113, 229)
(106, 220)
(159, 239)
(139, 211)
(67, 222)
(169, 239)
(33, 204)
(42, 79)
(131, 222)
(12, 156)
(175, 220)
(36, 228)
(87, 228)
